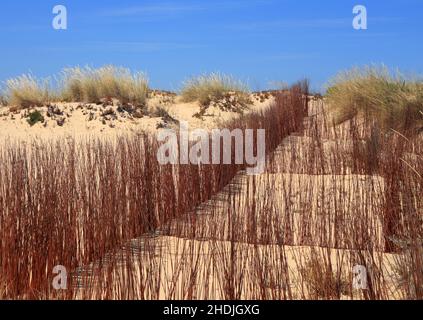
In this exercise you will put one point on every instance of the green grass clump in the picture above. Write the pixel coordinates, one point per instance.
(212, 87)
(26, 91)
(392, 100)
(92, 85)
(35, 117)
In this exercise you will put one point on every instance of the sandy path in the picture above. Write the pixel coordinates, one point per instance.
(207, 253)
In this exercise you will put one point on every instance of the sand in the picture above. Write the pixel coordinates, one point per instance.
(81, 120)
(187, 262)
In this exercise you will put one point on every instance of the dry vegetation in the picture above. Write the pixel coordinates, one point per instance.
(394, 101)
(110, 83)
(79, 85)
(93, 85)
(125, 227)
(215, 87)
(122, 193)
(26, 91)
(3, 100)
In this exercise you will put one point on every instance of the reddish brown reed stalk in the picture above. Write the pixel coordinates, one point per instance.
(74, 204)
(328, 197)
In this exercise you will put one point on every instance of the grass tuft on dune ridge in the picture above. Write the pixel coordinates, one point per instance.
(78, 85)
(26, 91)
(92, 85)
(3, 100)
(393, 100)
(212, 87)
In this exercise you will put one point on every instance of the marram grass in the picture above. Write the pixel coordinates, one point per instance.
(27, 91)
(78, 85)
(92, 85)
(391, 99)
(212, 87)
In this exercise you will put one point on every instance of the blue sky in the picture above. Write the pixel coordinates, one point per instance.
(259, 41)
